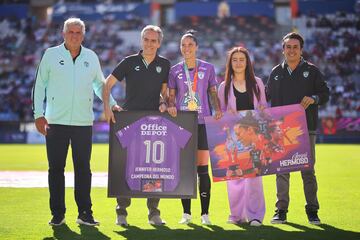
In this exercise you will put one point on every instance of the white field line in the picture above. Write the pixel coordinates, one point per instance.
(39, 179)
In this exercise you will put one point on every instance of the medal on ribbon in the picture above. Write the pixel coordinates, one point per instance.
(192, 103)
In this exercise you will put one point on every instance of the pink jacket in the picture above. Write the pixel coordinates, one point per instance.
(232, 100)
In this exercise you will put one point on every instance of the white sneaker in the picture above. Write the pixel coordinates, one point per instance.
(186, 219)
(156, 220)
(255, 223)
(121, 221)
(231, 221)
(205, 220)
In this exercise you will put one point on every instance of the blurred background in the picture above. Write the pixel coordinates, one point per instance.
(331, 29)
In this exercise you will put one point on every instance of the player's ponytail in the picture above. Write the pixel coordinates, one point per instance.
(191, 33)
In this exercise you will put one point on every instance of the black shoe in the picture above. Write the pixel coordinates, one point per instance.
(57, 220)
(313, 217)
(279, 217)
(86, 218)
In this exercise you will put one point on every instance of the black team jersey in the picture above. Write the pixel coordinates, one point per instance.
(143, 81)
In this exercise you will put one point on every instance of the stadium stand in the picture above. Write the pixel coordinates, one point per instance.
(331, 43)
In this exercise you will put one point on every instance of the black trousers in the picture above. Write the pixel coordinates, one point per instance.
(58, 139)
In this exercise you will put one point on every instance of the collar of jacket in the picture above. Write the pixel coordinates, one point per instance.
(285, 65)
(65, 51)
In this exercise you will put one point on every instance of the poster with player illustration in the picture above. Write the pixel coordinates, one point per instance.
(259, 142)
(153, 155)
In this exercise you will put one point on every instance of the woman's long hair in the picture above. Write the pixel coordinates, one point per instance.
(251, 85)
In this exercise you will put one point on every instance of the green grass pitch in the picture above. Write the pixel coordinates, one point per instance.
(24, 213)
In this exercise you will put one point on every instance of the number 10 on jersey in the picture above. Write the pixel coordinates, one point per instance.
(152, 149)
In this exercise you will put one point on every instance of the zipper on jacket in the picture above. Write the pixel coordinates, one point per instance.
(73, 93)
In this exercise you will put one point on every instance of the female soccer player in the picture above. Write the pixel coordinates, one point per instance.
(191, 83)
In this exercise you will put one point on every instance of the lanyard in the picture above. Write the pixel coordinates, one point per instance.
(192, 89)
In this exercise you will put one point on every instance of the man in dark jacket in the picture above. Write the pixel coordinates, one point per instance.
(291, 82)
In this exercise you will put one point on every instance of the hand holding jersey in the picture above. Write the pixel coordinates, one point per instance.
(162, 104)
(146, 75)
(172, 111)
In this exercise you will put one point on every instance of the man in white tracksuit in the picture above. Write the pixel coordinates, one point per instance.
(67, 77)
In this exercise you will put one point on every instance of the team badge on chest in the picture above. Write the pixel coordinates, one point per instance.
(306, 74)
(201, 75)
(158, 69)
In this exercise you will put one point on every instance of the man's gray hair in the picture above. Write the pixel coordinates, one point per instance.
(153, 28)
(74, 21)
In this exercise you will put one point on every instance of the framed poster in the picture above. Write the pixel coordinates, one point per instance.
(153, 155)
(256, 143)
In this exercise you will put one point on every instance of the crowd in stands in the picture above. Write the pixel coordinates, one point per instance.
(15, 80)
(332, 45)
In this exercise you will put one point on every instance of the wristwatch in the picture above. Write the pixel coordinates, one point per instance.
(316, 99)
